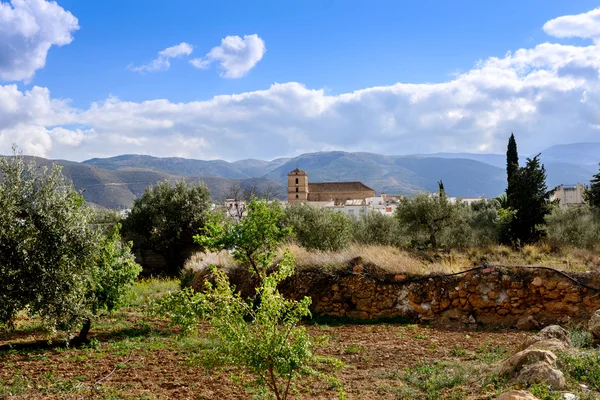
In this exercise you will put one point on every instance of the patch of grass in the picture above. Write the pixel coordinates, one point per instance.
(457, 351)
(581, 338)
(581, 367)
(353, 349)
(489, 354)
(14, 386)
(431, 379)
(148, 289)
(420, 336)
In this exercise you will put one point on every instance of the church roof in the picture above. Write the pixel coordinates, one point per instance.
(297, 171)
(337, 187)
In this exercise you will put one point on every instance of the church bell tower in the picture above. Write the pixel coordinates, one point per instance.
(297, 186)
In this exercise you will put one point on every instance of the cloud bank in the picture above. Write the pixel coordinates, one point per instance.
(546, 94)
(28, 28)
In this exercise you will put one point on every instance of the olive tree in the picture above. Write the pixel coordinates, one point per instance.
(318, 228)
(425, 216)
(165, 218)
(54, 263)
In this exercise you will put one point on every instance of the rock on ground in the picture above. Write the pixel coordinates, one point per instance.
(594, 324)
(549, 344)
(517, 395)
(514, 364)
(549, 332)
(541, 372)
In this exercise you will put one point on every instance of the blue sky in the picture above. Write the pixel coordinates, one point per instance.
(320, 53)
(339, 45)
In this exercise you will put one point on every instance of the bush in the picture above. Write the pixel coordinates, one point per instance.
(165, 219)
(375, 228)
(573, 226)
(318, 228)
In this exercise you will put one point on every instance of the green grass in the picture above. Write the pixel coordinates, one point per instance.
(353, 349)
(489, 354)
(581, 367)
(428, 380)
(148, 289)
(457, 351)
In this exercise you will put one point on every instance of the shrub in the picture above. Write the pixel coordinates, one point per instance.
(375, 228)
(317, 228)
(165, 218)
(425, 217)
(574, 226)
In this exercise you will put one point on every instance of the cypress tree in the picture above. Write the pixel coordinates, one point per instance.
(530, 201)
(512, 167)
(592, 195)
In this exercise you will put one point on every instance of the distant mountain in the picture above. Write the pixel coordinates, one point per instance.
(117, 188)
(116, 181)
(399, 174)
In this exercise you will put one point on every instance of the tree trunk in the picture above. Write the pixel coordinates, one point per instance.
(82, 338)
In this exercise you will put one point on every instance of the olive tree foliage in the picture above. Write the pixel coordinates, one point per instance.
(424, 218)
(264, 339)
(375, 228)
(319, 228)
(54, 263)
(165, 218)
(574, 226)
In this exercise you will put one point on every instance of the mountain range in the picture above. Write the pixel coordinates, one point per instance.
(116, 181)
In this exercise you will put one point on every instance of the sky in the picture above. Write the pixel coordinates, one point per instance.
(265, 79)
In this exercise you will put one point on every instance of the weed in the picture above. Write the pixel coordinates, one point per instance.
(581, 338)
(582, 367)
(353, 349)
(420, 336)
(490, 354)
(457, 351)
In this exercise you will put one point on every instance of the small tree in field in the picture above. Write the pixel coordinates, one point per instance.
(253, 241)
(264, 339)
(53, 263)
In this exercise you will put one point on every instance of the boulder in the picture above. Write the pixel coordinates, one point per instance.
(542, 372)
(517, 395)
(527, 323)
(549, 344)
(549, 332)
(594, 324)
(514, 364)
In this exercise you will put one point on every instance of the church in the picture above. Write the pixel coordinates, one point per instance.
(300, 190)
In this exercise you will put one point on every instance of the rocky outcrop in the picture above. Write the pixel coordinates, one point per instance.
(516, 395)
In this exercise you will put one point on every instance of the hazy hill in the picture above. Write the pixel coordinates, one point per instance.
(116, 181)
(117, 188)
(399, 174)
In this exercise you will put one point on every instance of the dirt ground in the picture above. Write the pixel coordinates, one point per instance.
(150, 361)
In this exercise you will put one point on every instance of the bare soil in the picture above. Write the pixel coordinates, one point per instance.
(150, 361)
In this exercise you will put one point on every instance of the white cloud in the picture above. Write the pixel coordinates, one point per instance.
(162, 62)
(235, 56)
(546, 94)
(28, 28)
(585, 25)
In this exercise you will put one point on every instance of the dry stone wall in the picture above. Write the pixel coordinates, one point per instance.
(495, 296)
